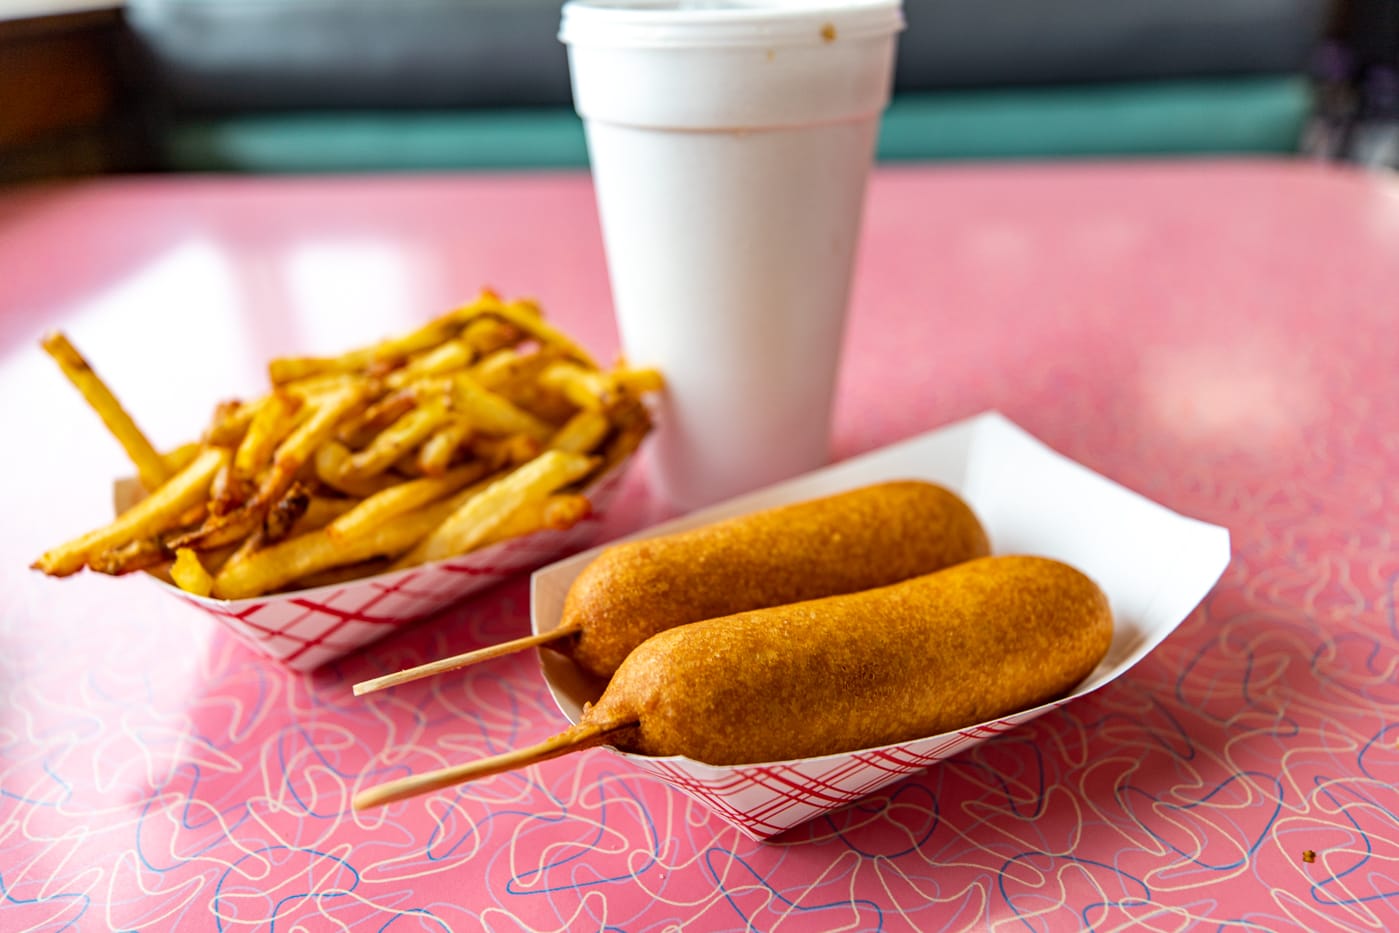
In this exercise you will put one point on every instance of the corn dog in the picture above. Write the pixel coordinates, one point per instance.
(967, 644)
(857, 540)
(950, 649)
(867, 537)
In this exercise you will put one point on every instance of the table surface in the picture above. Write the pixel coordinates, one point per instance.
(1219, 336)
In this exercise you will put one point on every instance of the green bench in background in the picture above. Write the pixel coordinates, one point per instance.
(363, 85)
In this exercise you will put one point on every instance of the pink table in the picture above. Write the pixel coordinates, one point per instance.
(1218, 336)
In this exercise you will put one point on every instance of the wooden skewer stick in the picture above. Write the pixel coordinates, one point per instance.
(458, 661)
(578, 737)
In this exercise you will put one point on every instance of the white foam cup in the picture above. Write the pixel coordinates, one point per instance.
(730, 144)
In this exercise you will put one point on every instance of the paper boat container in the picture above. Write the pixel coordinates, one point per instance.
(1154, 565)
(304, 629)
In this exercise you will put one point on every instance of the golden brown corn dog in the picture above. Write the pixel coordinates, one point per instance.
(926, 656)
(971, 643)
(855, 540)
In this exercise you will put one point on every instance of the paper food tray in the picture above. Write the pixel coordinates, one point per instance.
(1154, 565)
(304, 629)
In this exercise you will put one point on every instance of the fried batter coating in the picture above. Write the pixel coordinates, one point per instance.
(971, 643)
(868, 537)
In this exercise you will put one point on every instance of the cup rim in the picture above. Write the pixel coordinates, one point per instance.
(737, 23)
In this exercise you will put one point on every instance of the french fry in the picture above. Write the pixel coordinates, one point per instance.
(501, 452)
(222, 497)
(189, 574)
(230, 422)
(493, 413)
(591, 388)
(391, 351)
(310, 388)
(303, 442)
(438, 450)
(582, 433)
(361, 429)
(273, 418)
(215, 558)
(406, 466)
(487, 335)
(449, 357)
(508, 366)
(298, 368)
(269, 427)
(278, 524)
(249, 546)
(288, 460)
(141, 554)
(321, 511)
(195, 514)
(401, 498)
(545, 403)
(636, 382)
(526, 316)
(562, 512)
(397, 439)
(481, 516)
(558, 512)
(433, 332)
(179, 458)
(221, 530)
(149, 517)
(274, 567)
(515, 375)
(633, 423)
(331, 462)
(586, 388)
(286, 512)
(475, 427)
(332, 469)
(150, 465)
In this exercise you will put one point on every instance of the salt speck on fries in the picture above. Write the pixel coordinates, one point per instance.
(483, 424)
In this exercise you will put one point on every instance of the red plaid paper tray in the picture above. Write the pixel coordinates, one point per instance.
(1154, 565)
(307, 628)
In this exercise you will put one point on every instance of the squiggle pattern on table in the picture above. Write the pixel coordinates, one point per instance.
(154, 775)
(230, 808)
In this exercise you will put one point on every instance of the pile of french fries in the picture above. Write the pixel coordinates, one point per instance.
(484, 424)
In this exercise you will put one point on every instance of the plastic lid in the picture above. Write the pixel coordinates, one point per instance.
(706, 23)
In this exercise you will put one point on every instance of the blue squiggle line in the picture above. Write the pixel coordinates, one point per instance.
(1106, 906)
(584, 851)
(86, 901)
(1038, 804)
(299, 729)
(31, 802)
(1187, 745)
(1324, 785)
(67, 788)
(415, 912)
(254, 710)
(904, 788)
(1117, 872)
(196, 776)
(1334, 644)
(1372, 743)
(729, 855)
(1218, 789)
(472, 829)
(968, 763)
(272, 921)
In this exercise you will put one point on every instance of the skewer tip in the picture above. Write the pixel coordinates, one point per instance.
(457, 662)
